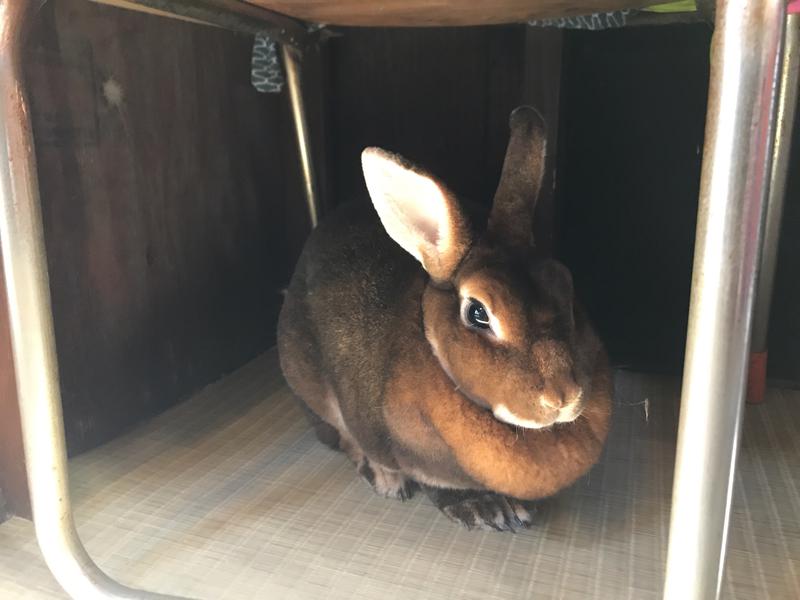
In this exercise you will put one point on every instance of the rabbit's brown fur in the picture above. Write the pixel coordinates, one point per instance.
(379, 350)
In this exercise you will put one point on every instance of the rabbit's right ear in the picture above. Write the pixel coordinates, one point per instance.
(511, 221)
(417, 211)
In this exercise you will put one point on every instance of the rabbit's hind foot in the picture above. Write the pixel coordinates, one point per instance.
(483, 510)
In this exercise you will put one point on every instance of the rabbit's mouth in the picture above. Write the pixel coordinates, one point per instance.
(502, 413)
(551, 416)
(565, 415)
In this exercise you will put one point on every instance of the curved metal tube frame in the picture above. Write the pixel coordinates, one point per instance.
(736, 164)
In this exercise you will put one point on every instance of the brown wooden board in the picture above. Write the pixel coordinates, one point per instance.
(423, 13)
(170, 194)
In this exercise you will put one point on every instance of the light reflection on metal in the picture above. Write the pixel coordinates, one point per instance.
(736, 162)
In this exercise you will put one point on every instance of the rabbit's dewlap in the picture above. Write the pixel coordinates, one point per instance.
(462, 361)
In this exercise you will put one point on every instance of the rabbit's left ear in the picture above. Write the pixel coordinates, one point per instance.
(418, 212)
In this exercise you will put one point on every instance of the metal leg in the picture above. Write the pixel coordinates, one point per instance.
(31, 324)
(292, 63)
(745, 60)
(787, 104)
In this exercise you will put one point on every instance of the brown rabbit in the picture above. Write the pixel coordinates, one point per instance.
(475, 375)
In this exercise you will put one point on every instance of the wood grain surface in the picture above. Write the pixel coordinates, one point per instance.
(424, 13)
(172, 208)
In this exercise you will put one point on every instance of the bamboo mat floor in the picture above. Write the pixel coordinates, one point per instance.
(229, 495)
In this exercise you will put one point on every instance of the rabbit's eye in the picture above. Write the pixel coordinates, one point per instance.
(476, 314)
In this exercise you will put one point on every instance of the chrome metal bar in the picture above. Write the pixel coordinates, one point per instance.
(787, 105)
(234, 15)
(292, 64)
(745, 58)
(31, 324)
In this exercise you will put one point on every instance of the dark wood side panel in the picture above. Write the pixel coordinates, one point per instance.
(169, 199)
(13, 480)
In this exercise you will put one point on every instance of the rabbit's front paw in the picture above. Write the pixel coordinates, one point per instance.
(483, 510)
(386, 482)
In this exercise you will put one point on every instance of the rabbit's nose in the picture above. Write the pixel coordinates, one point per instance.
(558, 396)
(554, 401)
